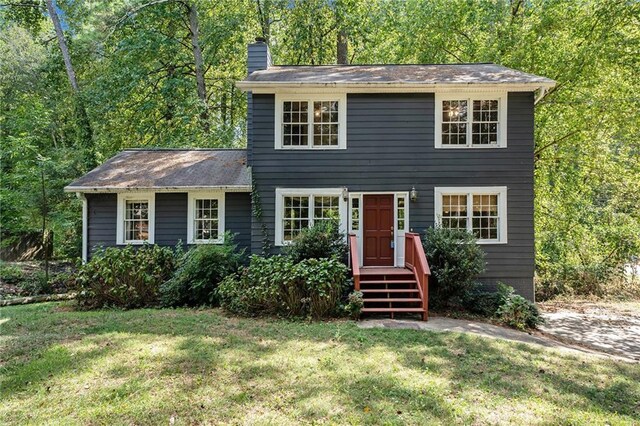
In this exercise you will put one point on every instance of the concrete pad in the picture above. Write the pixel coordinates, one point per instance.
(444, 324)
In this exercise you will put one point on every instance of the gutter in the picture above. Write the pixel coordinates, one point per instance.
(115, 189)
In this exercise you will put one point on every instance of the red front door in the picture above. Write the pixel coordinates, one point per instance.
(378, 230)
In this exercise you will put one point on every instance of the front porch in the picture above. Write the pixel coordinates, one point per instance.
(391, 290)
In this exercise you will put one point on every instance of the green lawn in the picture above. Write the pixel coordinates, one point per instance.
(149, 366)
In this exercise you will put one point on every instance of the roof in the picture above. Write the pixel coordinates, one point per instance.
(158, 169)
(393, 75)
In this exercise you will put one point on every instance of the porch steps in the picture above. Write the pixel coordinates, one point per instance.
(389, 290)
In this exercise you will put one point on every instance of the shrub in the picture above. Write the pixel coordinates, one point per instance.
(36, 283)
(481, 302)
(201, 270)
(455, 260)
(10, 274)
(321, 241)
(355, 303)
(125, 278)
(516, 311)
(279, 286)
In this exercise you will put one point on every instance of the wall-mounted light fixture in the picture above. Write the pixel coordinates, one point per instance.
(414, 194)
(345, 193)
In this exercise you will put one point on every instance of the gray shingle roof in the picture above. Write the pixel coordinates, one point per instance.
(168, 169)
(436, 74)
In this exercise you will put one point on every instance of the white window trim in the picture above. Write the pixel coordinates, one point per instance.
(470, 97)
(280, 98)
(500, 191)
(306, 192)
(150, 198)
(191, 207)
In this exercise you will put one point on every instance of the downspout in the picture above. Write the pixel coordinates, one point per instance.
(85, 225)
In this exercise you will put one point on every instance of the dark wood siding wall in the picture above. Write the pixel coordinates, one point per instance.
(171, 218)
(390, 147)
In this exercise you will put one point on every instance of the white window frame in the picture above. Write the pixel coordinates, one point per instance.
(341, 98)
(191, 209)
(500, 191)
(470, 97)
(311, 193)
(148, 197)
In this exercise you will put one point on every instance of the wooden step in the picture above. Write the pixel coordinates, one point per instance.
(388, 282)
(389, 290)
(372, 270)
(392, 310)
(393, 299)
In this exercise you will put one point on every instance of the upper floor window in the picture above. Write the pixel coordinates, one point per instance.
(310, 122)
(205, 217)
(135, 218)
(480, 210)
(471, 121)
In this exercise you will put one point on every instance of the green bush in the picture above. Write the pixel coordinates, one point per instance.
(279, 286)
(125, 278)
(323, 240)
(36, 283)
(515, 310)
(201, 270)
(10, 274)
(355, 303)
(485, 303)
(455, 260)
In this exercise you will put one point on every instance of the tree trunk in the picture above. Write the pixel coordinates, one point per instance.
(341, 47)
(194, 29)
(45, 212)
(63, 45)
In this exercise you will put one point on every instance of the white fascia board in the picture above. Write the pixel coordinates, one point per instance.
(107, 190)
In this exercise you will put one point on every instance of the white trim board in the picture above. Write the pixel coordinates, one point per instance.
(109, 190)
(149, 197)
(500, 191)
(209, 195)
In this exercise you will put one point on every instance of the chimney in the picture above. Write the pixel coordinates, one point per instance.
(259, 57)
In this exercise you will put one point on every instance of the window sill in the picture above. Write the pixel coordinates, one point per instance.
(134, 243)
(490, 242)
(199, 242)
(471, 147)
(306, 148)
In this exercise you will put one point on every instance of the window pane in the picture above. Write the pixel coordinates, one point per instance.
(136, 220)
(295, 216)
(454, 211)
(295, 126)
(400, 210)
(325, 119)
(325, 208)
(485, 216)
(485, 122)
(206, 219)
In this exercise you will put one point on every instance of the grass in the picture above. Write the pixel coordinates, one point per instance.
(59, 366)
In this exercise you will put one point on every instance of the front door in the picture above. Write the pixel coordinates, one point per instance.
(378, 234)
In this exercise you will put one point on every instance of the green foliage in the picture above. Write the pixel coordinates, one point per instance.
(127, 277)
(201, 270)
(322, 240)
(515, 310)
(10, 274)
(279, 286)
(455, 260)
(355, 303)
(36, 283)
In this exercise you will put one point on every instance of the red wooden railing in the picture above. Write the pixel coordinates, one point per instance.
(416, 260)
(355, 261)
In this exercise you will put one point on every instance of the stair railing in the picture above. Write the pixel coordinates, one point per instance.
(355, 261)
(416, 260)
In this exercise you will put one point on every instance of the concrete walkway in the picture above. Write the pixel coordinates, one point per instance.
(596, 327)
(483, 329)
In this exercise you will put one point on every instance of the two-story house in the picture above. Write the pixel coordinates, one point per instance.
(387, 149)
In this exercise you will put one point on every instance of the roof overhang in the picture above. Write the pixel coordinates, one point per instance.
(115, 189)
(375, 87)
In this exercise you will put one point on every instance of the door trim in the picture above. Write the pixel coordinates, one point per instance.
(398, 237)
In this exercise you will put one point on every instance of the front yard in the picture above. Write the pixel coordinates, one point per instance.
(187, 366)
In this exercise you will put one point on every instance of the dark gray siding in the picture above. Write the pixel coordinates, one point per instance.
(390, 147)
(238, 217)
(171, 218)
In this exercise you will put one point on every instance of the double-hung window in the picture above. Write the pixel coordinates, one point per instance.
(310, 122)
(479, 210)
(205, 218)
(135, 218)
(471, 121)
(300, 209)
